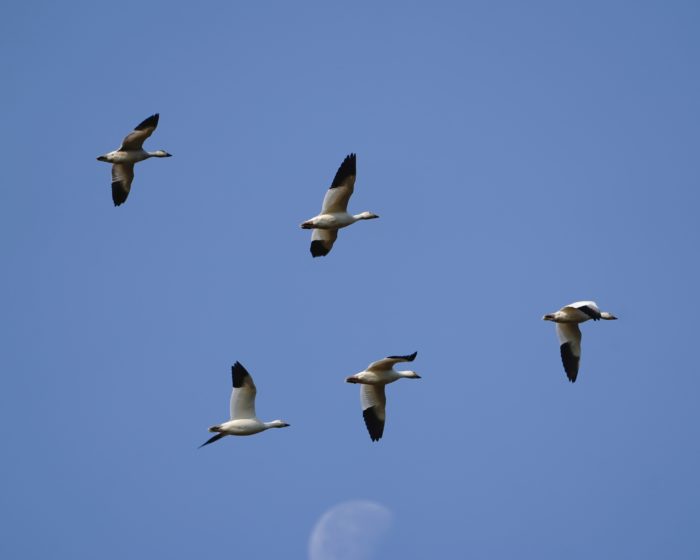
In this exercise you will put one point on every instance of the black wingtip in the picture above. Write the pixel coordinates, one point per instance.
(346, 169)
(238, 375)
(375, 426)
(150, 122)
(318, 249)
(570, 362)
(212, 439)
(119, 195)
(408, 358)
(592, 313)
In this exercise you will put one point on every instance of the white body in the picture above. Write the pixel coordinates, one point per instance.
(242, 427)
(131, 156)
(335, 220)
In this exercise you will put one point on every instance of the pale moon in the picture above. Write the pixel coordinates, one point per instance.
(349, 531)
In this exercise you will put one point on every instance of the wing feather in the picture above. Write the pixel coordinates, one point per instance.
(340, 191)
(134, 140)
(122, 177)
(388, 363)
(373, 399)
(243, 394)
(570, 348)
(322, 241)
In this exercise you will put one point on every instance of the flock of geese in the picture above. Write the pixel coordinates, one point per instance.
(334, 216)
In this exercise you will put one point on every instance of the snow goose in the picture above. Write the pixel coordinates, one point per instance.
(567, 320)
(372, 397)
(243, 421)
(130, 152)
(334, 213)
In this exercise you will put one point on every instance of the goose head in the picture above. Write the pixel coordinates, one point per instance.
(608, 316)
(410, 374)
(277, 424)
(161, 153)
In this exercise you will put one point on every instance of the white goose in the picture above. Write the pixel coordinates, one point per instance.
(334, 213)
(372, 396)
(130, 152)
(243, 421)
(567, 320)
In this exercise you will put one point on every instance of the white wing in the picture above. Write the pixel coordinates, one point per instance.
(340, 191)
(570, 347)
(243, 395)
(134, 140)
(388, 363)
(590, 308)
(578, 304)
(322, 241)
(122, 177)
(373, 401)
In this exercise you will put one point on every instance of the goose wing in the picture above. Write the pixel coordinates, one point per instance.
(570, 340)
(122, 176)
(590, 308)
(388, 363)
(322, 241)
(373, 399)
(340, 191)
(134, 140)
(243, 395)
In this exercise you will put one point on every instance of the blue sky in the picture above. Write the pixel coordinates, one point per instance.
(521, 156)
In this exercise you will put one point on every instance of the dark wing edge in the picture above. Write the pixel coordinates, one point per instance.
(375, 425)
(319, 249)
(212, 439)
(570, 361)
(119, 193)
(347, 169)
(592, 313)
(150, 122)
(238, 375)
(408, 358)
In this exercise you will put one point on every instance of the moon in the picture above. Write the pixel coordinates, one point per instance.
(349, 531)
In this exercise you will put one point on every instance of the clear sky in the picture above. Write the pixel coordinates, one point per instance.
(521, 155)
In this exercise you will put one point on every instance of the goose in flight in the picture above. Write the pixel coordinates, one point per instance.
(130, 152)
(243, 421)
(372, 397)
(567, 320)
(334, 213)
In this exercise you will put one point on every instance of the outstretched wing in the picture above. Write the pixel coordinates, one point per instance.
(373, 399)
(570, 339)
(243, 395)
(322, 241)
(590, 308)
(388, 363)
(134, 140)
(340, 191)
(122, 176)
